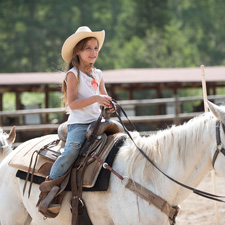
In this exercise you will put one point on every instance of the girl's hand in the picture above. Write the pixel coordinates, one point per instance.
(111, 109)
(104, 100)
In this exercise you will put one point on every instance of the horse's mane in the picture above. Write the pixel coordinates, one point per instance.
(174, 143)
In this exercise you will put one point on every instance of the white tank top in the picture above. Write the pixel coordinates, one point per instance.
(87, 87)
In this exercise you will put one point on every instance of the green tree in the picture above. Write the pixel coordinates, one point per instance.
(145, 33)
(202, 23)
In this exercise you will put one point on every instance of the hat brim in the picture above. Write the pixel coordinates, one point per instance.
(71, 41)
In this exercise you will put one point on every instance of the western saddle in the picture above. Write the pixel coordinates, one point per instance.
(100, 137)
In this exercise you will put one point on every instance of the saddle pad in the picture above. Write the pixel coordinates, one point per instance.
(92, 170)
(21, 160)
(102, 181)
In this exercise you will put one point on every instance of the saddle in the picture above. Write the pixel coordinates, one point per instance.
(101, 136)
(107, 126)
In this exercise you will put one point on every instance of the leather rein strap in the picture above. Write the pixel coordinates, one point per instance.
(219, 146)
(194, 190)
(77, 176)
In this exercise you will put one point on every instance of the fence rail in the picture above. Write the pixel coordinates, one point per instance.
(175, 117)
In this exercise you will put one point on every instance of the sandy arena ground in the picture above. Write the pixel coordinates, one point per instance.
(196, 210)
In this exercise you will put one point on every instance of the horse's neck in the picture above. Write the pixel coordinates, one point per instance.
(3, 154)
(187, 162)
(181, 152)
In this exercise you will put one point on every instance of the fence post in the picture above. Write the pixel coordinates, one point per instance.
(1, 108)
(176, 110)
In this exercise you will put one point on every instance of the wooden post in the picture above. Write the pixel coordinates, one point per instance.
(176, 110)
(1, 108)
(46, 91)
(206, 110)
(18, 107)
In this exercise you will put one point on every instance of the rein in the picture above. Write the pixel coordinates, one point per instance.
(194, 190)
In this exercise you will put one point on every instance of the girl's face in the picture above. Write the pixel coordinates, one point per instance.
(90, 52)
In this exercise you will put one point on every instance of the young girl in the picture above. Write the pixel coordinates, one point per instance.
(84, 91)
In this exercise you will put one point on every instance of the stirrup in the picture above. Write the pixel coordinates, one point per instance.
(44, 204)
(54, 208)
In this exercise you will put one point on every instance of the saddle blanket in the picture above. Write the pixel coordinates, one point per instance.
(21, 159)
(92, 182)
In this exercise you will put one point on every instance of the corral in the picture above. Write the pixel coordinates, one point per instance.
(121, 84)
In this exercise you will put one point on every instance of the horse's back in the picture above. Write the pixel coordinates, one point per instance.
(103, 207)
(12, 210)
(23, 153)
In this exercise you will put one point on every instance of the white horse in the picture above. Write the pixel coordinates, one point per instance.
(6, 141)
(184, 152)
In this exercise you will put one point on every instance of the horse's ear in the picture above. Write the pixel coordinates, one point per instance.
(217, 111)
(12, 135)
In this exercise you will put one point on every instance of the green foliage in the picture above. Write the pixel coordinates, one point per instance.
(188, 107)
(32, 98)
(221, 91)
(55, 100)
(9, 101)
(139, 34)
(145, 33)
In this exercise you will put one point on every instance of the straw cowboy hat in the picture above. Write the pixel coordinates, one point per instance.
(81, 33)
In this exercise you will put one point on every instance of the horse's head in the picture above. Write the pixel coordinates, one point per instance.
(218, 159)
(6, 141)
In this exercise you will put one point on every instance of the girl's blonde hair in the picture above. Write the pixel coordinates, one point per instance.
(75, 62)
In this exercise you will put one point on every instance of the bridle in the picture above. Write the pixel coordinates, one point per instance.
(219, 146)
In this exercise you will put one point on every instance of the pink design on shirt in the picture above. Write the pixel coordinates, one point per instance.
(94, 84)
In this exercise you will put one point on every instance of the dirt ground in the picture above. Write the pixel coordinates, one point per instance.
(196, 210)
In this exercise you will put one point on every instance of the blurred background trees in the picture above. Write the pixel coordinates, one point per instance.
(139, 34)
(144, 33)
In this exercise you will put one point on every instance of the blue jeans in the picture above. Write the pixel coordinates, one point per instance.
(75, 139)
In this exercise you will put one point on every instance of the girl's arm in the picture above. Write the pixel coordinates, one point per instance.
(74, 103)
(102, 88)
